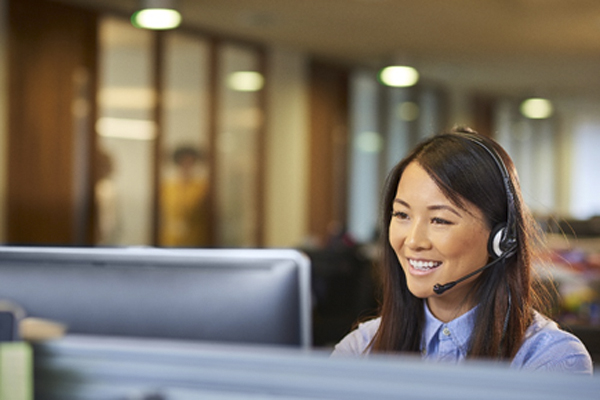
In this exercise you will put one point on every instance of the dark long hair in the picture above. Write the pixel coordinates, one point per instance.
(465, 172)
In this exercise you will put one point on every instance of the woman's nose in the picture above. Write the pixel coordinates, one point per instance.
(417, 237)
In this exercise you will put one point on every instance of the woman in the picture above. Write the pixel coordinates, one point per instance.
(458, 250)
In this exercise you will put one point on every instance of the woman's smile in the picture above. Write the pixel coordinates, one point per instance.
(420, 267)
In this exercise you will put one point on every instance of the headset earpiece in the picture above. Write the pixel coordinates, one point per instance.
(502, 241)
(495, 241)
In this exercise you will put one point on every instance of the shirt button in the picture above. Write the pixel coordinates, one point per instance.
(446, 331)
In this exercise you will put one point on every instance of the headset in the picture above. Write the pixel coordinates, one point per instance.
(502, 242)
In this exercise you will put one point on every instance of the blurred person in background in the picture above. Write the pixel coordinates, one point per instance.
(184, 220)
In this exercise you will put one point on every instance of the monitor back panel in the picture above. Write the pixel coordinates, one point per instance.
(246, 296)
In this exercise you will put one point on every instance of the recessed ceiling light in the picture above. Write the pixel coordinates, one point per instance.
(156, 14)
(537, 108)
(399, 76)
(245, 81)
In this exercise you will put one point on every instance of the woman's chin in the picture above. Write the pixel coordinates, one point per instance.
(421, 291)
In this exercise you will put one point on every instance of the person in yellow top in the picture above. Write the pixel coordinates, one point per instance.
(184, 221)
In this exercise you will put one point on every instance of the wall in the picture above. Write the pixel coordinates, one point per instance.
(3, 114)
(287, 149)
(581, 134)
(51, 113)
(576, 149)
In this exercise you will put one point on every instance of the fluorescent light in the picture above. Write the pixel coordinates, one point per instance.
(537, 108)
(129, 98)
(399, 76)
(156, 18)
(126, 128)
(156, 14)
(245, 81)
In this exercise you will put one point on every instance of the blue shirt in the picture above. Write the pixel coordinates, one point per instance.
(545, 346)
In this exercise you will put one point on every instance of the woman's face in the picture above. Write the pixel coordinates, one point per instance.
(434, 240)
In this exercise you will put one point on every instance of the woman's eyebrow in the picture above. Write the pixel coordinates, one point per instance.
(445, 207)
(432, 207)
(402, 202)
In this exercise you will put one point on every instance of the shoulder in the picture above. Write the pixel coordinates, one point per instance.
(357, 341)
(547, 347)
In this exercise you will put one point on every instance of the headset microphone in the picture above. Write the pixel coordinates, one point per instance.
(439, 289)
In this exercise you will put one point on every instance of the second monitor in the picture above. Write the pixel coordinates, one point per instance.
(227, 295)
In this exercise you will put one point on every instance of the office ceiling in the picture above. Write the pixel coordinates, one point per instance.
(519, 47)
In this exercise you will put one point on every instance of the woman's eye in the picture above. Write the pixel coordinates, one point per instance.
(441, 221)
(399, 214)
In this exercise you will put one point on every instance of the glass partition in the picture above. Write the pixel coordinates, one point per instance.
(239, 125)
(366, 140)
(199, 183)
(184, 165)
(126, 135)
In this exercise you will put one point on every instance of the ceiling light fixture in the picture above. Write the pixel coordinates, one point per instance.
(537, 108)
(156, 14)
(245, 81)
(399, 76)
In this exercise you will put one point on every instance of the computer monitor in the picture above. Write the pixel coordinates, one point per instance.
(125, 368)
(257, 296)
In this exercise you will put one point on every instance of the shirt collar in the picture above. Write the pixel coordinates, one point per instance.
(460, 328)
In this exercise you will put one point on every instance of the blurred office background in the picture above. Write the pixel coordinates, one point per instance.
(263, 123)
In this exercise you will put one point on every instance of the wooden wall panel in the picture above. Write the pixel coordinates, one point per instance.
(50, 46)
(483, 112)
(328, 148)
